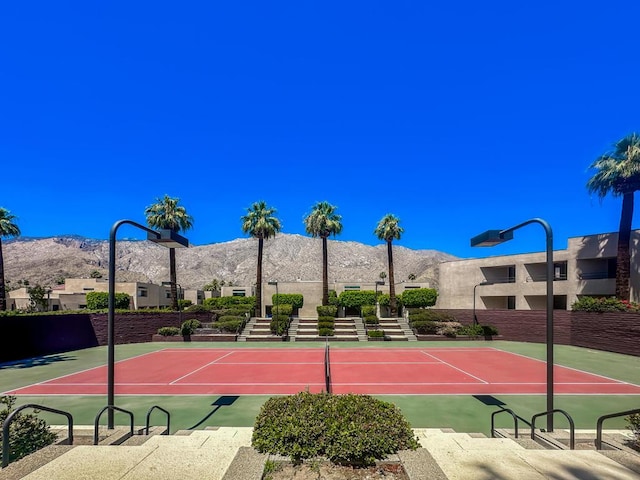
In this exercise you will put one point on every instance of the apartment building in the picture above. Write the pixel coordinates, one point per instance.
(587, 267)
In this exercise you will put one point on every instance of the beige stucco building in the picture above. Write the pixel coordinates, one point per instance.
(587, 267)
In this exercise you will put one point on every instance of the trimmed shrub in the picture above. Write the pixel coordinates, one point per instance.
(229, 324)
(229, 302)
(333, 298)
(296, 300)
(326, 319)
(472, 331)
(371, 320)
(356, 298)
(385, 300)
(431, 316)
(325, 332)
(368, 310)
(197, 309)
(100, 300)
(449, 329)
(425, 327)
(182, 304)
(419, 297)
(282, 309)
(27, 432)
(279, 324)
(327, 311)
(327, 324)
(375, 333)
(344, 428)
(189, 326)
(168, 331)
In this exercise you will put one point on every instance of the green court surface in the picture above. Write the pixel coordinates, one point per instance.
(464, 413)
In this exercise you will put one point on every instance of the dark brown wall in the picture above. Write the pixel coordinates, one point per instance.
(614, 332)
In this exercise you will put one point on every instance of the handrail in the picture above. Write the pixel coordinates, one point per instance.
(605, 417)
(149, 416)
(9, 419)
(97, 421)
(509, 411)
(572, 429)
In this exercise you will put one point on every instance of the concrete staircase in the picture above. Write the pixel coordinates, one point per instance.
(258, 329)
(224, 453)
(345, 329)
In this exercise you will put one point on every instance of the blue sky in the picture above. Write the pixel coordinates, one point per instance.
(455, 116)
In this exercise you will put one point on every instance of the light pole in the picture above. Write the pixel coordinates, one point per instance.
(168, 238)
(491, 238)
(275, 282)
(475, 319)
(179, 302)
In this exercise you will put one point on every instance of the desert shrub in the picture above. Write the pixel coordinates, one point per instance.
(27, 432)
(375, 333)
(419, 297)
(367, 310)
(296, 300)
(100, 300)
(325, 332)
(327, 310)
(634, 426)
(471, 331)
(489, 330)
(189, 326)
(604, 304)
(356, 298)
(371, 320)
(182, 304)
(282, 309)
(344, 428)
(425, 327)
(448, 329)
(197, 309)
(168, 331)
(431, 316)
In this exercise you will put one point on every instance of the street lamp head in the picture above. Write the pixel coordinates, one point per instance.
(491, 238)
(379, 282)
(275, 282)
(168, 238)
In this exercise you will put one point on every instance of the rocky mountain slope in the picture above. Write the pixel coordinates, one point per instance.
(286, 258)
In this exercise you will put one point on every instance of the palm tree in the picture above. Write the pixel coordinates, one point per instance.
(322, 222)
(618, 173)
(260, 222)
(167, 214)
(8, 228)
(389, 229)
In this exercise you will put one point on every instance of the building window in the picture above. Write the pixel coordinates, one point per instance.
(559, 302)
(168, 294)
(239, 293)
(511, 275)
(560, 271)
(511, 302)
(143, 292)
(88, 289)
(56, 308)
(352, 287)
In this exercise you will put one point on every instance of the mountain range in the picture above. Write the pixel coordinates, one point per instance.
(287, 257)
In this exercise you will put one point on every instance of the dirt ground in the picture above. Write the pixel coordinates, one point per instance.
(329, 471)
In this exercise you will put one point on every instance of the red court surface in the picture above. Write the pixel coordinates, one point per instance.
(420, 371)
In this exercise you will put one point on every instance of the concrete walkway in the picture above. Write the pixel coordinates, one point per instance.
(225, 454)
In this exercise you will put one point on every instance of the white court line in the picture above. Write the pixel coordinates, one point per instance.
(198, 369)
(456, 368)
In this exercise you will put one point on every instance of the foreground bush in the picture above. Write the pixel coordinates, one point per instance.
(189, 326)
(350, 428)
(27, 433)
(610, 304)
(168, 331)
(634, 426)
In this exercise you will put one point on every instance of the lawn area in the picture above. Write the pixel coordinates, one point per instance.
(465, 413)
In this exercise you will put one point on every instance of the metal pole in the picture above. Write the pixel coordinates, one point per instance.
(475, 319)
(549, 265)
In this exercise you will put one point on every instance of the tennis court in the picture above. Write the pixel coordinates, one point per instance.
(376, 371)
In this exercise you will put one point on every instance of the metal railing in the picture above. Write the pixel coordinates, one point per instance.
(605, 417)
(509, 411)
(111, 408)
(572, 428)
(156, 407)
(12, 415)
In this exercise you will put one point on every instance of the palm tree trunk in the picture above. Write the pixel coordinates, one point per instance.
(392, 288)
(259, 279)
(325, 273)
(3, 292)
(173, 278)
(623, 264)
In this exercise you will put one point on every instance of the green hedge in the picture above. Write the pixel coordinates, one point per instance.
(425, 327)
(356, 298)
(282, 309)
(100, 300)
(327, 310)
(229, 302)
(344, 428)
(385, 300)
(367, 310)
(375, 333)
(326, 324)
(431, 316)
(325, 332)
(326, 318)
(602, 304)
(296, 300)
(168, 331)
(229, 323)
(279, 324)
(197, 309)
(371, 320)
(189, 326)
(419, 297)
